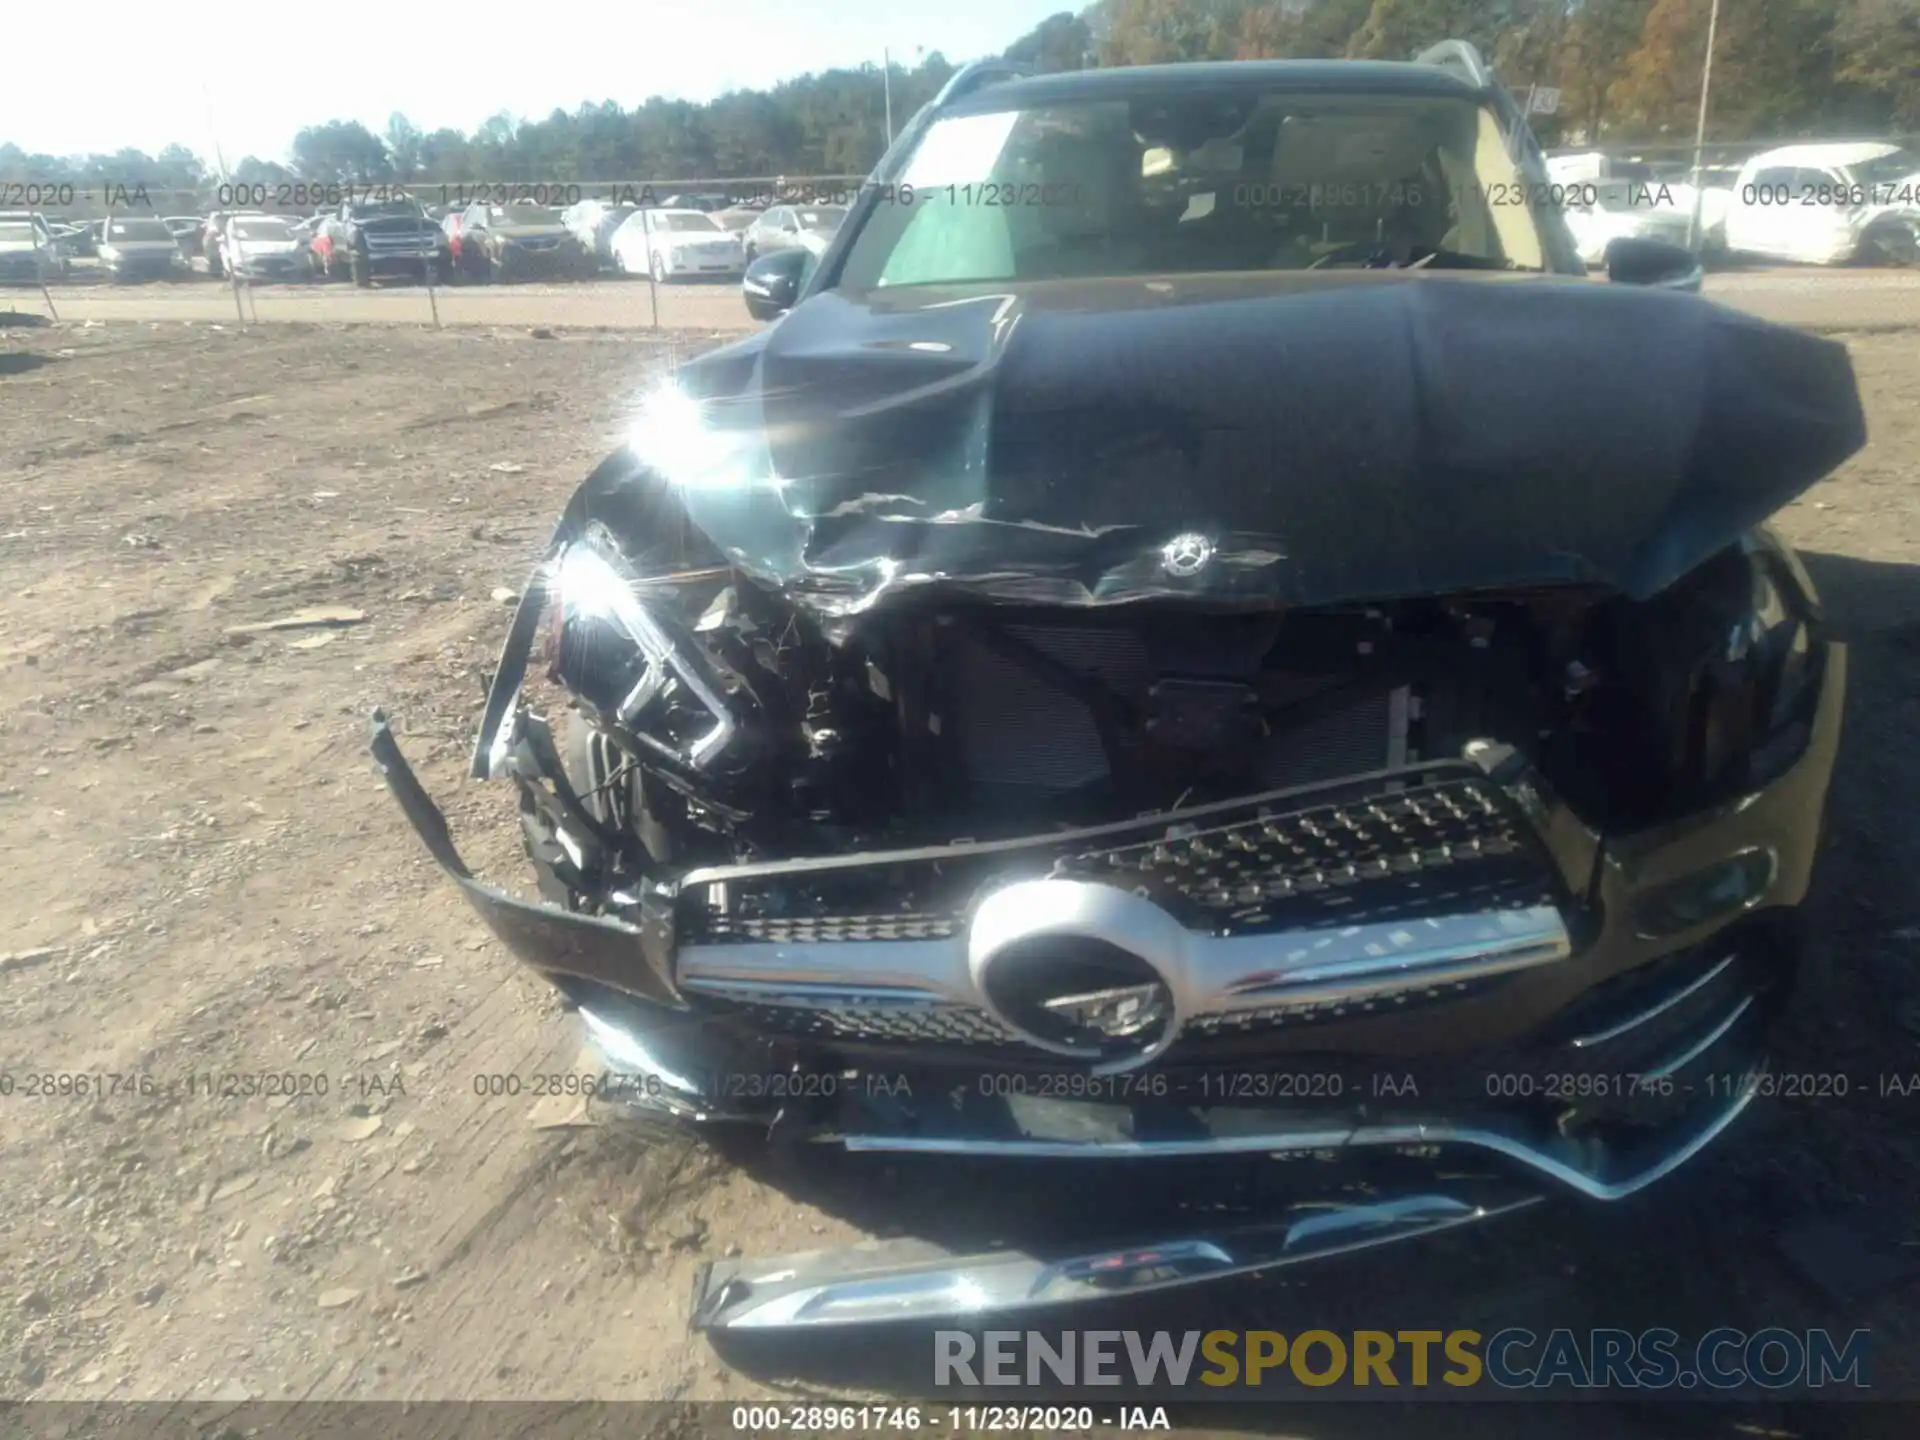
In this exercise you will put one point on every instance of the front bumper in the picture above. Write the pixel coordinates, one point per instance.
(518, 261)
(406, 261)
(275, 267)
(1489, 1045)
(681, 263)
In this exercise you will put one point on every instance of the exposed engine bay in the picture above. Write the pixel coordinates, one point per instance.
(732, 730)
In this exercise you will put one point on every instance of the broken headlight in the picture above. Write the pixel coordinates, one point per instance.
(1778, 644)
(642, 676)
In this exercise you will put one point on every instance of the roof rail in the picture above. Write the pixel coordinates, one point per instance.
(971, 77)
(1460, 58)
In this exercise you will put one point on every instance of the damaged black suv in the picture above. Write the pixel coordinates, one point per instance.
(1197, 633)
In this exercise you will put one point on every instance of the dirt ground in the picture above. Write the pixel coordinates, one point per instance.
(208, 879)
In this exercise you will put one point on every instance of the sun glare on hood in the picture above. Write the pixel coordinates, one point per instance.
(673, 435)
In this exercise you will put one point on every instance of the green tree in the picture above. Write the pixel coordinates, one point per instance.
(340, 150)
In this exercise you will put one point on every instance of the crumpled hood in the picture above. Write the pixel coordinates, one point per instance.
(1272, 440)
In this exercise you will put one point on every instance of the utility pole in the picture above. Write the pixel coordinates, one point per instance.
(1700, 128)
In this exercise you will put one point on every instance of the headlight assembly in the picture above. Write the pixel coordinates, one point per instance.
(618, 658)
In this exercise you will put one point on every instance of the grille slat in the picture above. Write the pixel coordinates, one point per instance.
(1410, 847)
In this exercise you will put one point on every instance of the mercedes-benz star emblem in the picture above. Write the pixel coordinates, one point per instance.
(1186, 555)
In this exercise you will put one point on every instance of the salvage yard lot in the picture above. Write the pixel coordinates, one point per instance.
(209, 880)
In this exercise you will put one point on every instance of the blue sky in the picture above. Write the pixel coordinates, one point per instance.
(138, 81)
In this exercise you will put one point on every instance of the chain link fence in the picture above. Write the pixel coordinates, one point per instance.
(74, 285)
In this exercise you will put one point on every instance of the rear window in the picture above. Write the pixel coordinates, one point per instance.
(138, 230)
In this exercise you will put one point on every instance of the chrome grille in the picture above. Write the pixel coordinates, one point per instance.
(803, 929)
(953, 1024)
(1423, 840)
(1247, 867)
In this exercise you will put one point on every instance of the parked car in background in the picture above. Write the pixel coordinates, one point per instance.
(738, 218)
(187, 232)
(212, 232)
(28, 254)
(702, 201)
(381, 239)
(1607, 210)
(267, 247)
(677, 245)
(140, 248)
(503, 243)
(75, 241)
(1716, 184)
(1582, 166)
(592, 223)
(1828, 204)
(784, 227)
(450, 226)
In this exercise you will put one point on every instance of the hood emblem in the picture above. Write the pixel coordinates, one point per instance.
(1186, 555)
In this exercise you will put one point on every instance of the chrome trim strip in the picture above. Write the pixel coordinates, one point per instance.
(1614, 1032)
(1585, 1182)
(860, 1287)
(1700, 1047)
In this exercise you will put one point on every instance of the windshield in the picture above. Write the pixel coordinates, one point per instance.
(13, 234)
(139, 230)
(1886, 169)
(822, 219)
(1251, 181)
(404, 208)
(525, 215)
(687, 220)
(261, 230)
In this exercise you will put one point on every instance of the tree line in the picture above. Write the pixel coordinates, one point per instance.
(1628, 71)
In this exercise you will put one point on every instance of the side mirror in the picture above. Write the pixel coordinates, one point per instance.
(772, 283)
(1635, 261)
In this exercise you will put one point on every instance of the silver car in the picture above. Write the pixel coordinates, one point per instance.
(28, 254)
(810, 227)
(266, 247)
(140, 248)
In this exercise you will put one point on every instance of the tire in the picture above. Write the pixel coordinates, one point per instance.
(357, 267)
(1895, 243)
(752, 254)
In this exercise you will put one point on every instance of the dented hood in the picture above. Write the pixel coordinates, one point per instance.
(1271, 440)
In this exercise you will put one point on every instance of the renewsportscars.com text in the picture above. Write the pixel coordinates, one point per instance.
(1511, 1359)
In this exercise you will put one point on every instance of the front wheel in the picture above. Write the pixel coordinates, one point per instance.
(357, 267)
(1892, 242)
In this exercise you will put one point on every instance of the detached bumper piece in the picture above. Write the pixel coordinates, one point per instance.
(912, 1282)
